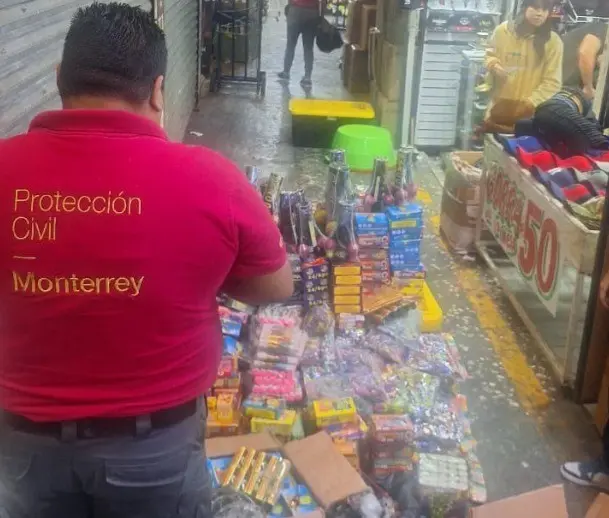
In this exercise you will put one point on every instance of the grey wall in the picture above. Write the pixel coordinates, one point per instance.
(31, 39)
(181, 26)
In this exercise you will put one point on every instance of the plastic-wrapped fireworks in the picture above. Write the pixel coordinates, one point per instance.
(444, 481)
(403, 188)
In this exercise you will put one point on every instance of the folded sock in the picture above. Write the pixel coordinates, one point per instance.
(528, 143)
(546, 160)
(580, 193)
(564, 176)
(598, 179)
(542, 159)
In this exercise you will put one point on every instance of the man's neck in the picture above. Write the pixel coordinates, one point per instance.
(89, 102)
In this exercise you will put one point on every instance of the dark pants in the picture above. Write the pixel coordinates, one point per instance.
(158, 474)
(301, 21)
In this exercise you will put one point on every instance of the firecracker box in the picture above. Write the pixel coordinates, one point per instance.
(281, 426)
(331, 411)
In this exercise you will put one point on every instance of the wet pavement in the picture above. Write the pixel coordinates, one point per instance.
(524, 427)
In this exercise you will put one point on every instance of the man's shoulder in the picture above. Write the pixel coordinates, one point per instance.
(199, 163)
(199, 156)
(13, 149)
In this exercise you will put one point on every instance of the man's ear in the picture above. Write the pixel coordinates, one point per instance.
(156, 98)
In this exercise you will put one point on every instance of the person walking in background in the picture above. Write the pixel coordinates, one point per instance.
(303, 18)
(115, 244)
(583, 49)
(524, 60)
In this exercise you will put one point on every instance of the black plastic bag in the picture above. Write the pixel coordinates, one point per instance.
(328, 37)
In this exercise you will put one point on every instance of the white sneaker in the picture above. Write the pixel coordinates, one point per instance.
(594, 473)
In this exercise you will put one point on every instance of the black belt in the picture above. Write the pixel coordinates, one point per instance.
(99, 427)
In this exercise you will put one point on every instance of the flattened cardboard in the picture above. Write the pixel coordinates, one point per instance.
(543, 503)
(600, 507)
(323, 469)
(225, 446)
(319, 464)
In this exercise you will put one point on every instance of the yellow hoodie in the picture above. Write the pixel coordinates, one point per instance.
(529, 78)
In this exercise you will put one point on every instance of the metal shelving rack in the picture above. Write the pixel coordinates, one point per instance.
(238, 44)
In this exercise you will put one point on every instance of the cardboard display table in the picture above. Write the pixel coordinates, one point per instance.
(542, 241)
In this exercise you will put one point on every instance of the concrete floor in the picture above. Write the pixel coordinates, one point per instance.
(524, 427)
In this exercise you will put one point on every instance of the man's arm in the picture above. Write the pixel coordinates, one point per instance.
(586, 61)
(260, 273)
(266, 289)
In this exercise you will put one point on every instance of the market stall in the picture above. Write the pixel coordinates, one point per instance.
(545, 244)
(363, 405)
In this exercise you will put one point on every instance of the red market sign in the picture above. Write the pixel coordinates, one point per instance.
(528, 236)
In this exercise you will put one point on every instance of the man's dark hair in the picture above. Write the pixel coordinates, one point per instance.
(112, 50)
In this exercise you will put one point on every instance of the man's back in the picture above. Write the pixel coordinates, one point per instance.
(572, 41)
(113, 247)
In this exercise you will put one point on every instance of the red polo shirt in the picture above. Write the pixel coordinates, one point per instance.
(113, 245)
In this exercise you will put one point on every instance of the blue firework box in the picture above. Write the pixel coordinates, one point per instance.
(367, 232)
(230, 327)
(407, 216)
(231, 346)
(367, 221)
(404, 256)
(405, 235)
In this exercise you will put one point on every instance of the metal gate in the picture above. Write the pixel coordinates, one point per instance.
(31, 41)
(181, 24)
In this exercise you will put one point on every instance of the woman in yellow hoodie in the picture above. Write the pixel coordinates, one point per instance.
(524, 60)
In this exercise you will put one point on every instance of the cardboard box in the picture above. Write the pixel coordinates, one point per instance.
(388, 113)
(600, 507)
(394, 24)
(352, 14)
(543, 503)
(375, 57)
(381, 8)
(355, 69)
(317, 462)
(460, 202)
(368, 20)
(390, 78)
(360, 20)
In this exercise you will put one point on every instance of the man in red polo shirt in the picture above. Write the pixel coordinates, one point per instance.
(114, 244)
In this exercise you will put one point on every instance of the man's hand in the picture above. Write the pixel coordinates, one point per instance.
(500, 74)
(589, 92)
(603, 292)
